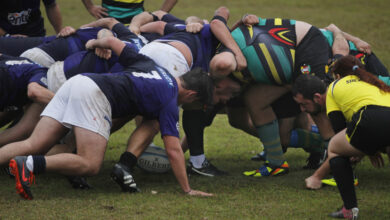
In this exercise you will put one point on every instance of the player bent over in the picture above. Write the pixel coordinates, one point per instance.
(87, 104)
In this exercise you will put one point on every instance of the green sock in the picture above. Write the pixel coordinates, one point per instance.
(309, 141)
(269, 136)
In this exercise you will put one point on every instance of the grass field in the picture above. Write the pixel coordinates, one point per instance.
(236, 196)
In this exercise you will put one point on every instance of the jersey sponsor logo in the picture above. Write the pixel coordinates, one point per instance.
(17, 62)
(19, 18)
(305, 69)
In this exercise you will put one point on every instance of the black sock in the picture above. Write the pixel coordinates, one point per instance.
(193, 126)
(39, 163)
(128, 159)
(343, 174)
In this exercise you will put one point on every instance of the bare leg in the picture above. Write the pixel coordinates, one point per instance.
(24, 127)
(47, 132)
(90, 154)
(142, 136)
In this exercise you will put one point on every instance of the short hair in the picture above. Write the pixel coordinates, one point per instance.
(308, 85)
(200, 82)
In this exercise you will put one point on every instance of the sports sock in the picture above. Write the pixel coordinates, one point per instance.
(128, 159)
(309, 141)
(193, 126)
(38, 165)
(198, 160)
(269, 136)
(343, 174)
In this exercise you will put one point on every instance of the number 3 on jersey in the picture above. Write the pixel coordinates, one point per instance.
(152, 75)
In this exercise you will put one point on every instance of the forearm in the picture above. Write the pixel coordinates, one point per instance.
(54, 16)
(108, 23)
(168, 5)
(340, 44)
(112, 43)
(39, 94)
(141, 19)
(176, 158)
(222, 33)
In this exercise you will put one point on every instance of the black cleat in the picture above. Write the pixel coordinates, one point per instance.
(207, 169)
(122, 175)
(78, 182)
(315, 160)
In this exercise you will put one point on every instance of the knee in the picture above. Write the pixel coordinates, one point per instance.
(90, 168)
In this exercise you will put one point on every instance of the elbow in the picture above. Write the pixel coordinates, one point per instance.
(33, 91)
(223, 12)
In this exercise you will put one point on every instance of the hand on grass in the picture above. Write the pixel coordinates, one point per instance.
(313, 183)
(199, 193)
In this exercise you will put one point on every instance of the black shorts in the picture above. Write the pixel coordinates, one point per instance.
(369, 129)
(312, 55)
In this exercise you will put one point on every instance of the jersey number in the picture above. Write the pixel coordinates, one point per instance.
(153, 75)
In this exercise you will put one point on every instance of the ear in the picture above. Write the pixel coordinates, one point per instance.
(191, 94)
(337, 76)
(317, 98)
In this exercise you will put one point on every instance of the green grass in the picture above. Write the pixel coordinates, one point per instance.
(236, 196)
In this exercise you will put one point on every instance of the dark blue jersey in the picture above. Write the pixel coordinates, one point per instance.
(60, 48)
(15, 75)
(88, 62)
(202, 45)
(23, 17)
(14, 46)
(141, 88)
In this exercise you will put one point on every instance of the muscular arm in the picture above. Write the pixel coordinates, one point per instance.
(38, 93)
(108, 23)
(139, 20)
(54, 15)
(112, 43)
(176, 158)
(340, 45)
(222, 33)
(168, 5)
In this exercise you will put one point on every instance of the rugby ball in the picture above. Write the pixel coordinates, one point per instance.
(154, 160)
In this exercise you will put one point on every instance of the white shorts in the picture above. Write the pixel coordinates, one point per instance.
(168, 57)
(80, 102)
(38, 56)
(56, 76)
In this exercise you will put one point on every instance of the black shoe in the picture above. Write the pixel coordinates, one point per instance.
(315, 160)
(207, 169)
(78, 182)
(122, 175)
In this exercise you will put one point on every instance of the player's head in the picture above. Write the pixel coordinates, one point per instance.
(309, 92)
(200, 84)
(346, 65)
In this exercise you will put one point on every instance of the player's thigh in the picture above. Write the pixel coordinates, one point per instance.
(339, 146)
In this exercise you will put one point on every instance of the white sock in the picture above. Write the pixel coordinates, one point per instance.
(30, 163)
(197, 160)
